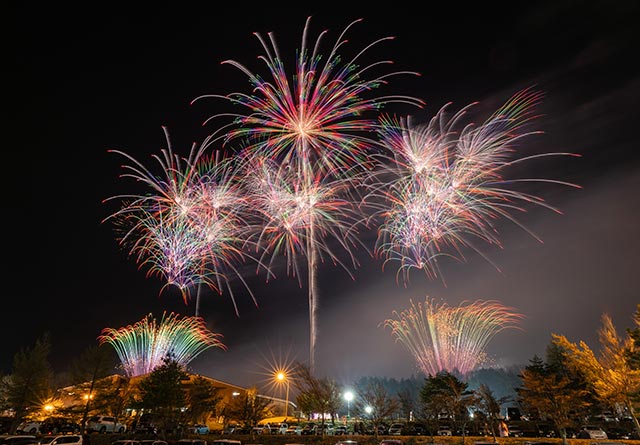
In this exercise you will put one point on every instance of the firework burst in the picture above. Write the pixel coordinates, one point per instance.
(142, 346)
(317, 128)
(442, 187)
(190, 227)
(318, 118)
(446, 338)
(290, 207)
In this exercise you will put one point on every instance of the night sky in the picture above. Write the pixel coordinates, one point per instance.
(83, 81)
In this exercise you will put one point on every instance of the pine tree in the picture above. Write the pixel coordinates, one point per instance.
(551, 394)
(29, 385)
(163, 393)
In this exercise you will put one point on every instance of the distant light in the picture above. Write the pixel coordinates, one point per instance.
(348, 396)
(235, 393)
(368, 409)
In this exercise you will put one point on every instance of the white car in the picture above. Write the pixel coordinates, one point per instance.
(294, 430)
(29, 427)
(66, 439)
(592, 432)
(396, 429)
(104, 424)
(279, 428)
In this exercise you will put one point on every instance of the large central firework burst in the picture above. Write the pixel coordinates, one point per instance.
(318, 128)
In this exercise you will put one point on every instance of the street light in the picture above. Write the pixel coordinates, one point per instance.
(282, 377)
(348, 396)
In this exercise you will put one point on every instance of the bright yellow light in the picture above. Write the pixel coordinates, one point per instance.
(48, 407)
(281, 376)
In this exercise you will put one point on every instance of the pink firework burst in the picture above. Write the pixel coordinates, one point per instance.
(442, 188)
(318, 126)
(450, 338)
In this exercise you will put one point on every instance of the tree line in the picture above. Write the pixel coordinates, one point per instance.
(571, 383)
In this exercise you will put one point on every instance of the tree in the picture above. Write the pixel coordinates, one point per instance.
(202, 399)
(407, 403)
(490, 407)
(29, 385)
(445, 393)
(551, 394)
(611, 374)
(118, 396)
(306, 402)
(633, 351)
(316, 395)
(248, 408)
(375, 402)
(89, 374)
(163, 393)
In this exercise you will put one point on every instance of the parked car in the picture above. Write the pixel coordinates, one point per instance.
(592, 432)
(294, 430)
(29, 428)
(198, 428)
(325, 429)
(150, 423)
(607, 442)
(340, 430)
(391, 442)
(279, 428)
(514, 431)
(145, 424)
(104, 424)
(126, 442)
(192, 442)
(309, 428)
(261, 429)
(382, 430)
(347, 442)
(460, 432)
(396, 429)
(153, 442)
(618, 433)
(18, 439)
(67, 439)
(230, 429)
(226, 442)
(59, 425)
(413, 429)
(539, 442)
(444, 430)
(271, 428)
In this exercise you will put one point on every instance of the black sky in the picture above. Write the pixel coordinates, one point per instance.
(83, 81)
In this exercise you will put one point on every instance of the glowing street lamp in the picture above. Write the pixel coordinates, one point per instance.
(282, 377)
(348, 396)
